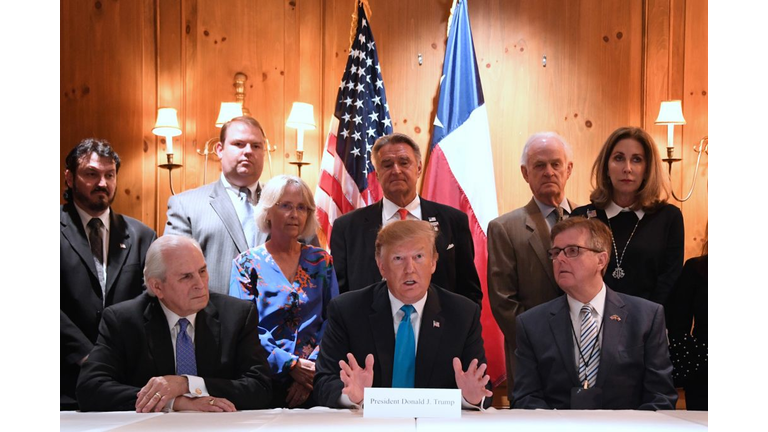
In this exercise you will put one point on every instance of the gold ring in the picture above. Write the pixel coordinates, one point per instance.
(210, 402)
(158, 395)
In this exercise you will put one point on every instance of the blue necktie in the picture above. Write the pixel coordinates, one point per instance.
(404, 370)
(185, 351)
(247, 220)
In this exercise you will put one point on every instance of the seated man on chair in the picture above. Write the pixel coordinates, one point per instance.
(402, 331)
(176, 347)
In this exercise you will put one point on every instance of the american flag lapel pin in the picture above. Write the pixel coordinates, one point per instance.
(436, 324)
(435, 224)
(616, 318)
(591, 214)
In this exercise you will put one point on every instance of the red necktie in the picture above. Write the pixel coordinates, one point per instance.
(403, 213)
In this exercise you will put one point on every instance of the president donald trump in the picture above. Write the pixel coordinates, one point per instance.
(402, 331)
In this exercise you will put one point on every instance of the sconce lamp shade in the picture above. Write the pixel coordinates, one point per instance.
(302, 116)
(228, 111)
(167, 123)
(671, 113)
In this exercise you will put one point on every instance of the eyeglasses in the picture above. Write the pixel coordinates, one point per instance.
(571, 251)
(288, 207)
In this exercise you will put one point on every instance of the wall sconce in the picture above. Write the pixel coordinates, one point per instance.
(167, 125)
(302, 118)
(671, 114)
(227, 111)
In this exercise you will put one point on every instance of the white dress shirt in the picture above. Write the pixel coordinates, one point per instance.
(598, 307)
(613, 209)
(389, 210)
(196, 386)
(234, 195)
(85, 218)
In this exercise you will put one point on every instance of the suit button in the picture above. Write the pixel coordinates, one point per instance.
(98, 314)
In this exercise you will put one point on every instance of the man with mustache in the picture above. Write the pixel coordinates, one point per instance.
(219, 215)
(101, 255)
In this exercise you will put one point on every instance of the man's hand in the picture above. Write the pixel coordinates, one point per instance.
(204, 404)
(304, 373)
(158, 391)
(472, 382)
(355, 378)
(297, 394)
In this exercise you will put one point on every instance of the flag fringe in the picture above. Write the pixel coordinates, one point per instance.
(353, 29)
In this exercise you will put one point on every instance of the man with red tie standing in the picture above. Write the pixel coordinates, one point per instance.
(397, 160)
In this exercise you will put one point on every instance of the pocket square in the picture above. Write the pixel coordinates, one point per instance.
(450, 246)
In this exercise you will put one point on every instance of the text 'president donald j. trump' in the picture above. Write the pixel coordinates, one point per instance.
(402, 331)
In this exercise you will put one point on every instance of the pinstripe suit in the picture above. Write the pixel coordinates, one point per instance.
(207, 215)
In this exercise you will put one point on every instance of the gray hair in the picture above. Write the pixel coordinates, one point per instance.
(541, 136)
(395, 138)
(155, 266)
(271, 194)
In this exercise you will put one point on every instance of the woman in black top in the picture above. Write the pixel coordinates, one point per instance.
(630, 196)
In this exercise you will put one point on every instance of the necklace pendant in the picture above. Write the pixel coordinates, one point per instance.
(618, 273)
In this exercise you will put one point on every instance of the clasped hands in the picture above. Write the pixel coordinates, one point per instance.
(471, 382)
(303, 374)
(158, 391)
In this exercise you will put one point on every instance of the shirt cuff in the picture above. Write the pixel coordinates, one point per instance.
(197, 386)
(346, 403)
(468, 406)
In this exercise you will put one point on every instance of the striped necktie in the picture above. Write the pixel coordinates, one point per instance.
(589, 357)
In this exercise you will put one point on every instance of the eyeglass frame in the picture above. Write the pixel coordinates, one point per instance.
(552, 257)
(287, 207)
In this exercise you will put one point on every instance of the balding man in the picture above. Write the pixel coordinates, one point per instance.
(176, 347)
(519, 271)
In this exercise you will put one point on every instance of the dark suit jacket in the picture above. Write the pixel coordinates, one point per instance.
(635, 371)
(135, 345)
(81, 300)
(360, 322)
(353, 247)
(519, 270)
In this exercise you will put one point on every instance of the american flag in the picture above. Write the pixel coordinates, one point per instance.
(347, 177)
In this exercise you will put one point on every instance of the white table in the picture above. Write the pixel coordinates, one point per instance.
(325, 419)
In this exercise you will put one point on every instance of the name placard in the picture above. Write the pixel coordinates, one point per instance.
(411, 403)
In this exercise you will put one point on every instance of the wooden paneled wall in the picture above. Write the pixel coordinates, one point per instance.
(608, 64)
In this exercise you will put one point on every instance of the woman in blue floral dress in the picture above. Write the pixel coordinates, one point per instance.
(291, 284)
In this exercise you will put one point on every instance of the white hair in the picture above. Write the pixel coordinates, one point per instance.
(542, 136)
(155, 266)
(271, 194)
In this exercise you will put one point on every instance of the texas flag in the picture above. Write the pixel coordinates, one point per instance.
(460, 166)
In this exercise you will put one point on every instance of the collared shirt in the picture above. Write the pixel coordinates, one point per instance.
(614, 209)
(234, 195)
(546, 211)
(85, 218)
(389, 210)
(197, 386)
(398, 315)
(598, 307)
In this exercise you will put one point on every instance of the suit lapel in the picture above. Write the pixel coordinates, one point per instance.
(72, 229)
(370, 225)
(539, 238)
(384, 338)
(562, 330)
(207, 340)
(158, 336)
(429, 339)
(430, 213)
(223, 207)
(613, 334)
(119, 247)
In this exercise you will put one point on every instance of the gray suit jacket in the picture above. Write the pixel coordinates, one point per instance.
(635, 371)
(207, 215)
(519, 271)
